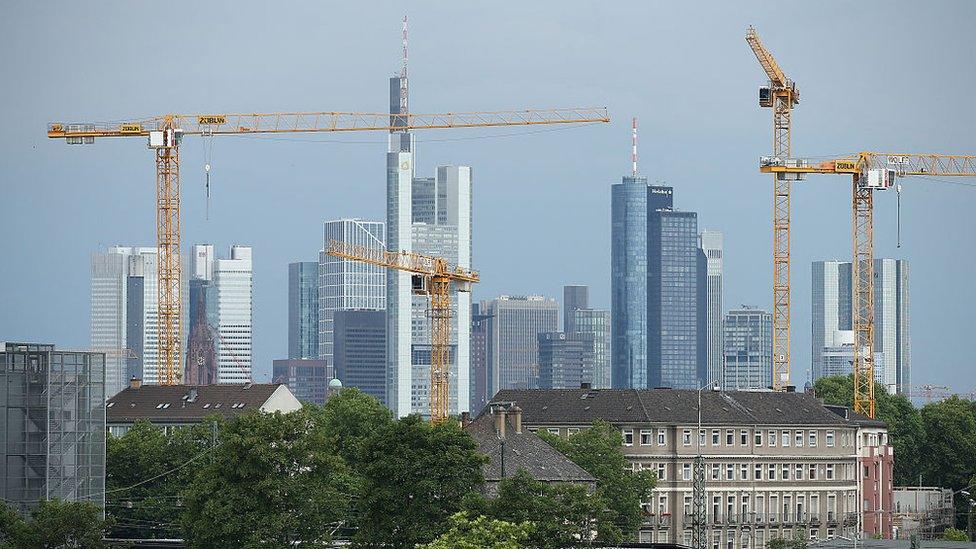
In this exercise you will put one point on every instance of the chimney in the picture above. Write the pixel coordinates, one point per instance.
(465, 419)
(516, 418)
(586, 386)
(135, 382)
(499, 413)
(791, 388)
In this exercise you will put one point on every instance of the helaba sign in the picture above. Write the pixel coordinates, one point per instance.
(666, 190)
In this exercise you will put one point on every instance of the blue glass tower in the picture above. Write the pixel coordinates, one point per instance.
(628, 282)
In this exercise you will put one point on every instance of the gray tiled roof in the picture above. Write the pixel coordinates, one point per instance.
(523, 450)
(172, 403)
(672, 406)
(854, 417)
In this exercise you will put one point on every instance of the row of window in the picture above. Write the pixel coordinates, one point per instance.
(740, 540)
(786, 437)
(757, 471)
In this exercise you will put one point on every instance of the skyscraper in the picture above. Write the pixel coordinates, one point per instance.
(303, 310)
(597, 323)
(711, 245)
(748, 350)
(307, 378)
(479, 358)
(574, 297)
(832, 295)
(513, 345)
(628, 281)
(359, 345)
(565, 360)
(346, 284)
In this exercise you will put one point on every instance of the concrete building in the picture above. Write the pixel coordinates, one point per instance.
(574, 298)
(832, 297)
(777, 464)
(712, 246)
(52, 444)
(359, 351)
(479, 359)
(307, 378)
(565, 359)
(922, 511)
(513, 345)
(345, 284)
(748, 352)
(597, 323)
(303, 310)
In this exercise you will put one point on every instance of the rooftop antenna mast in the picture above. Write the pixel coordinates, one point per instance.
(633, 152)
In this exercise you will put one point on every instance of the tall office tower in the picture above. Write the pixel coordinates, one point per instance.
(711, 245)
(227, 285)
(347, 284)
(124, 314)
(303, 309)
(628, 281)
(597, 323)
(307, 378)
(574, 297)
(513, 345)
(359, 350)
(838, 358)
(201, 348)
(832, 316)
(565, 360)
(748, 350)
(479, 359)
(52, 408)
(676, 295)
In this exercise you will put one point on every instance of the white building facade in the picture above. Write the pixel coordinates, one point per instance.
(233, 280)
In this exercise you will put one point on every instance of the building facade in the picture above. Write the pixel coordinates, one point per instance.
(52, 408)
(307, 378)
(359, 351)
(565, 359)
(347, 284)
(628, 281)
(711, 243)
(227, 284)
(303, 309)
(832, 296)
(513, 344)
(597, 323)
(479, 358)
(574, 299)
(777, 464)
(748, 352)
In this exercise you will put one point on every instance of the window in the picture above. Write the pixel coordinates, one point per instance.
(744, 472)
(688, 507)
(758, 472)
(830, 439)
(729, 472)
(555, 431)
(813, 439)
(701, 437)
(715, 441)
(661, 471)
(685, 471)
(867, 472)
(646, 437)
(813, 471)
(572, 430)
(628, 437)
(799, 439)
(715, 471)
(757, 438)
(786, 439)
(760, 506)
(772, 472)
(830, 471)
(730, 437)
(798, 472)
(686, 437)
(772, 439)
(786, 472)
(660, 437)
(744, 438)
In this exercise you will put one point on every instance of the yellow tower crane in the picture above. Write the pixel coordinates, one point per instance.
(166, 132)
(781, 95)
(433, 277)
(870, 171)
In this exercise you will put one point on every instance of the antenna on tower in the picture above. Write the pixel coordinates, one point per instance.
(403, 71)
(633, 152)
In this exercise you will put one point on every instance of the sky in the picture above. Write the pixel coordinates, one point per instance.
(889, 76)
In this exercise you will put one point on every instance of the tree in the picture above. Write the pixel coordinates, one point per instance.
(951, 534)
(620, 489)
(415, 476)
(275, 480)
(482, 533)
(350, 418)
(950, 442)
(785, 543)
(53, 523)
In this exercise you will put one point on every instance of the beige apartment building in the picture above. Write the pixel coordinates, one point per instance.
(777, 464)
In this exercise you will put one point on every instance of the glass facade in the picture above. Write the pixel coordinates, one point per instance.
(748, 350)
(711, 245)
(513, 346)
(628, 282)
(308, 379)
(303, 310)
(52, 408)
(565, 360)
(597, 323)
(574, 298)
(360, 351)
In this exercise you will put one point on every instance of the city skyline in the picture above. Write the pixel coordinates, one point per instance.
(343, 179)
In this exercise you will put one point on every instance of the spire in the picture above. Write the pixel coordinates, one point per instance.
(633, 152)
(403, 71)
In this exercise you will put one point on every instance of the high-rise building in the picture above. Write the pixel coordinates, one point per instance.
(303, 310)
(345, 283)
(359, 350)
(513, 345)
(832, 316)
(711, 245)
(201, 348)
(574, 298)
(227, 287)
(565, 360)
(479, 359)
(748, 350)
(597, 323)
(628, 281)
(307, 378)
(52, 408)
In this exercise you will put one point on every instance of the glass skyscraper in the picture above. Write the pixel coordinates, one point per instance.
(711, 246)
(628, 282)
(748, 350)
(597, 323)
(303, 309)
(514, 323)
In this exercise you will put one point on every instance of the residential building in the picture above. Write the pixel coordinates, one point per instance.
(777, 464)
(565, 359)
(712, 246)
(479, 358)
(346, 284)
(303, 310)
(359, 350)
(52, 444)
(307, 378)
(832, 316)
(175, 406)
(574, 299)
(628, 280)
(513, 345)
(597, 322)
(748, 353)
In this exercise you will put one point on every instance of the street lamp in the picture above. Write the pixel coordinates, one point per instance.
(698, 519)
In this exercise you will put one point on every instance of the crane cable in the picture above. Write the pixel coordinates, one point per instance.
(207, 142)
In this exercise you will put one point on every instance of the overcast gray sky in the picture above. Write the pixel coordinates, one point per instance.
(873, 76)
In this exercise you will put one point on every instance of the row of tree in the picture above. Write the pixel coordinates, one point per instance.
(350, 470)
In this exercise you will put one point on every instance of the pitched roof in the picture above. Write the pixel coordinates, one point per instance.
(676, 406)
(523, 450)
(186, 403)
(855, 417)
